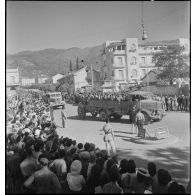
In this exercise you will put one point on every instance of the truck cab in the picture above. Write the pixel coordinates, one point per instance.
(152, 109)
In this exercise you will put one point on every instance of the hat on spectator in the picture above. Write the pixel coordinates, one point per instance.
(76, 166)
(143, 172)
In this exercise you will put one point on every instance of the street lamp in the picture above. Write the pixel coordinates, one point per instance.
(144, 35)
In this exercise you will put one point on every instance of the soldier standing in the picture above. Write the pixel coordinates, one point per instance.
(132, 118)
(139, 119)
(109, 138)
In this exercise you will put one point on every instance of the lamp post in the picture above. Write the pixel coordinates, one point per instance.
(147, 82)
(144, 36)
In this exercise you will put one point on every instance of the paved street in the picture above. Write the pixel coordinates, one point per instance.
(172, 153)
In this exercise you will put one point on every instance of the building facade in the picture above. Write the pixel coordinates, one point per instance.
(12, 76)
(75, 79)
(127, 62)
(56, 77)
(42, 79)
(27, 81)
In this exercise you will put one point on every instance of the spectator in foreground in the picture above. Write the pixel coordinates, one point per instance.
(74, 179)
(44, 180)
(113, 187)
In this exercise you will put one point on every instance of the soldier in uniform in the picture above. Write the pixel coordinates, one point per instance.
(109, 138)
(132, 118)
(139, 119)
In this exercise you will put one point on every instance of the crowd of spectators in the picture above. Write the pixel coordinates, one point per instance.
(39, 161)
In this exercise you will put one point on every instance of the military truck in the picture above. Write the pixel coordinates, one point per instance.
(152, 110)
(54, 99)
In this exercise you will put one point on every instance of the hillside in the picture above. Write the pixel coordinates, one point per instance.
(51, 61)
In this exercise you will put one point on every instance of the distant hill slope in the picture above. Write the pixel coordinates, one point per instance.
(51, 61)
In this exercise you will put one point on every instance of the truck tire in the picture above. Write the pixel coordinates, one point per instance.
(103, 115)
(117, 116)
(81, 112)
(94, 113)
(147, 118)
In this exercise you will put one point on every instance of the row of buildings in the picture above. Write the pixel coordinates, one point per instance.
(13, 78)
(126, 62)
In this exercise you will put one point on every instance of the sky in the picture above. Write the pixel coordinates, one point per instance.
(33, 25)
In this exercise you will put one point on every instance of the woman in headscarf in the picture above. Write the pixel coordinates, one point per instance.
(75, 180)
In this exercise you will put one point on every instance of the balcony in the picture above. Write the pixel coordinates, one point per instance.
(115, 65)
(119, 52)
(146, 65)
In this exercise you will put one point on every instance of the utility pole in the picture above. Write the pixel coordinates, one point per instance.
(148, 82)
(92, 76)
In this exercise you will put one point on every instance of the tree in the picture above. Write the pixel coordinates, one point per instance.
(172, 63)
(77, 63)
(70, 66)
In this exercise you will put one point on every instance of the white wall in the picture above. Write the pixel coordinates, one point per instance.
(80, 79)
(56, 77)
(12, 76)
(28, 81)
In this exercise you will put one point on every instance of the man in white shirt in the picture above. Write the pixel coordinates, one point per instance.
(109, 138)
(139, 119)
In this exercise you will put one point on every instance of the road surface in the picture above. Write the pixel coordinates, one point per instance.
(172, 153)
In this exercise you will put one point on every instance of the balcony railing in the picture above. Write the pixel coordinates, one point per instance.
(123, 52)
(118, 65)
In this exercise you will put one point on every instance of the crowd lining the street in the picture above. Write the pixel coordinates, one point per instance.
(39, 161)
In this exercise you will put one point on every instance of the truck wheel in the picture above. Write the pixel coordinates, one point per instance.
(94, 113)
(81, 112)
(147, 118)
(117, 116)
(103, 115)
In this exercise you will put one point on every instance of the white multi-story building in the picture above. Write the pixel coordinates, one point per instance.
(12, 76)
(126, 61)
(27, 81)
(75, 79)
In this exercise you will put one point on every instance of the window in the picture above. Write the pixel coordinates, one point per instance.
(112, 60)
(123, 47)
(143, 60)
(134, 73)
(133, 60)
(120, 60)
(113, 73)
(120, 74)
(119, 47)
(12, 79)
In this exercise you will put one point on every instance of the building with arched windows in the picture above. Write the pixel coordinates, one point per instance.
(127, 62)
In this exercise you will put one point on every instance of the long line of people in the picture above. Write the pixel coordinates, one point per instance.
(171, 103)
(39, 161)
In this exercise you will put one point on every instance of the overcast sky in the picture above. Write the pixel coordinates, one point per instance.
(61, 25)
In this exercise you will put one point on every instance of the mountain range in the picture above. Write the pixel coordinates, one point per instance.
(52, 61)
